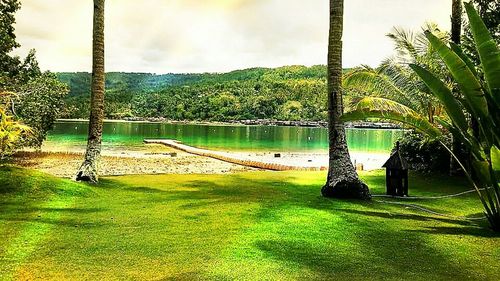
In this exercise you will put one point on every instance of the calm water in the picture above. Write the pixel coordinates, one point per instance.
(69, 134)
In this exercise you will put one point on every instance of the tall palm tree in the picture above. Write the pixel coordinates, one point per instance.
(456, 21)
(342, 181)
(456, 35)
(89, 169)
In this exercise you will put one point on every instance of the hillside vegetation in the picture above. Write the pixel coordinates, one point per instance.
(285, 93)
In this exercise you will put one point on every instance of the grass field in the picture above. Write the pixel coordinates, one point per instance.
(248, 226)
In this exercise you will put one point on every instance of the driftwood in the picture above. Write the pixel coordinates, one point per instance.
(231, 158)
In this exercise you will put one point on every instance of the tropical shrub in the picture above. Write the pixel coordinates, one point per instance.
(11, 131)
(39, 104)
(424, 154)
(477, 99)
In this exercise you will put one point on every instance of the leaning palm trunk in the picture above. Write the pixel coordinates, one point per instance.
(89, 169)
(342, 181)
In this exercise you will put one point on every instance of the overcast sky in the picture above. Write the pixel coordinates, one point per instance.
(179, 36)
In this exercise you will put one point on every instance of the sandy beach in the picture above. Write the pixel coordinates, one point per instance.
(159, 159)
(147, 160)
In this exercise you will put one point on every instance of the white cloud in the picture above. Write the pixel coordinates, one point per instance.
(214, 35)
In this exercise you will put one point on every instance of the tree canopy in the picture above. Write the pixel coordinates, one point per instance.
(285, 93)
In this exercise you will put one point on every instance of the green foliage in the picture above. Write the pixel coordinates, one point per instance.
(394, 80)
(9, 66)
(291, 92)
(291, 110)
(488, 54)
(445, 96)
(495, 158)
(489, 11)
(40, 96)
(39, 103)
(424, 154)
(380, 108)
(467, 82)
(479, 101)
(29, 68)
(11, 132)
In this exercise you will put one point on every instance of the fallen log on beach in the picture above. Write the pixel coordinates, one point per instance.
(232, 158)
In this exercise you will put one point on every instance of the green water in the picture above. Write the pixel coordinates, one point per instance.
(69, 134)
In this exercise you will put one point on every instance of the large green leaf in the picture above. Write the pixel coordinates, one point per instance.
(495, 158)
(468, 83)
(444, 94)
(468, 140)
(488, 50)
(482, 170)
(380, 108)
(458, 50)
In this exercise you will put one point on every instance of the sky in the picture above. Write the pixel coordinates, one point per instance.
(187, 36)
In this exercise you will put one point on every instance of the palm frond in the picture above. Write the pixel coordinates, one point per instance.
(404, 42)
(385, 109)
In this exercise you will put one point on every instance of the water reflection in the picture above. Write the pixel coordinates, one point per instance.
(224, 137)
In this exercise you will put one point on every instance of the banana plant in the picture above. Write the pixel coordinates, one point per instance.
(479, 98)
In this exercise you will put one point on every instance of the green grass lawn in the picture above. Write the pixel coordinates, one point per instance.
(256, 225)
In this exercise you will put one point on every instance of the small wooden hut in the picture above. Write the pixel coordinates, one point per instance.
(396, 174)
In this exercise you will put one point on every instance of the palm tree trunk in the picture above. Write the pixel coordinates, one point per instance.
(456, 34)
(89, 169)
(456, 21)
(342, 181)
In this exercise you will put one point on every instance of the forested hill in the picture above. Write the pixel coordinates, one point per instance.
(284, 93)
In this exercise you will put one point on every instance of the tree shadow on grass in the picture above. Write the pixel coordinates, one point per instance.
(482, 231)
(273, 195)
(381, 246)
(478, 228)
(201, 204)
(372, 253)
(144, 189)
(32, 209)
(322, 261)
(194, 275)
(403, 216)
(66, 216)
(235, 190)
(110, 184)
(64, 222)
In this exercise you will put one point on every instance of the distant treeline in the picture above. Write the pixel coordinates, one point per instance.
(285, 93)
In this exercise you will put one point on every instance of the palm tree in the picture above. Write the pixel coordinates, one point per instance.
(89, 169)
(478, 97)
(342, 181)
(394, 79)
(456, 34)
(456, 21)
(394, 82)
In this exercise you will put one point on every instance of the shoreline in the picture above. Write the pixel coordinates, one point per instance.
(159, 159)
(257, 122)
(155, 161)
